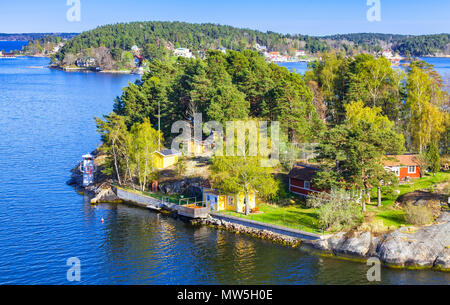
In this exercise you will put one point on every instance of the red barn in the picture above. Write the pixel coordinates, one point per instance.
(300, 180)
(404, 166)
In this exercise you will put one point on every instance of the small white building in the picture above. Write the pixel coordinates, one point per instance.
(183, 52)
(223, 50)
(260, 47)
(388, 54)
(299, 53)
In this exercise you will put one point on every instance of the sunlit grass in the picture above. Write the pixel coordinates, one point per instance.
(393, 216)
(293, 216)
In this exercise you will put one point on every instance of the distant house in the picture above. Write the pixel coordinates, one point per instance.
(138, 59)
(260, 47)
(216, 200)
(404, 166)
(165, 158)
(300, 180)
(183, 52)
(86, 62)
(223, 50)
(7, 55)
(200, 147)
(299, 53)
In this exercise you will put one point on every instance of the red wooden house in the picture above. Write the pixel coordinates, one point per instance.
(300, 180)
(404, 166)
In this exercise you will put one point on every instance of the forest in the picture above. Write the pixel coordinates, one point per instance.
(156, 38)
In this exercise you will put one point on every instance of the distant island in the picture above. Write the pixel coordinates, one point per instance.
(127, 47)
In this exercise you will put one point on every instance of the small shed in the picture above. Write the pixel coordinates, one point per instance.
(166, 158)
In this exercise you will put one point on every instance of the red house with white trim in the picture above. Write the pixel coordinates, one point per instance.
(300, 180)
(404, 166)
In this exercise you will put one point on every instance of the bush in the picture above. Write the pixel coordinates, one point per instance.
(418, 215)
(337, 210)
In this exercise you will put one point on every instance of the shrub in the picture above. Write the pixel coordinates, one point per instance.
(337, 210)
(418, 215)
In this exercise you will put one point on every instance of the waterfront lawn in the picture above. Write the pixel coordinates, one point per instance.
(296, 217)
(392, 216)
(292, 216)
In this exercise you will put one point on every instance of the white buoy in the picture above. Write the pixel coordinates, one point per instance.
(87, 167)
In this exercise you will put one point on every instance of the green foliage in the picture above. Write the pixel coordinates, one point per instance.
(143, 147)
(180, 166)
(115, 139)
(129, 153)
(155, 37)
(418, 215)
(352, 154)
(421, 45)
(223, 87)
(243, 174)
(337, 210)
(425, 96)
(433, 159)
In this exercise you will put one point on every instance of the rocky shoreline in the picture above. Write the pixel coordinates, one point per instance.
(425, 247)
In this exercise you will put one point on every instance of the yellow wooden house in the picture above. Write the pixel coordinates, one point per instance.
(201, 147)
(218, 201)
(165, 158)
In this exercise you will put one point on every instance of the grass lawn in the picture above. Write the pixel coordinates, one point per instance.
(292, 216)
(394, 217)
(296, 217)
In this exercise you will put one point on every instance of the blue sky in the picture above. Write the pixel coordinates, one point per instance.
(313, 17)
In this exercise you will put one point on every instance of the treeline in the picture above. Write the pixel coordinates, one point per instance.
(425, 45)
(42, 46)
(196, 37)
(421, 45)
(414, 100)
(223, 87)
(155, 39)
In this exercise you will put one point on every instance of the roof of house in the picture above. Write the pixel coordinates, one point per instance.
(402, 160)
(303, 172)
(206, 184)
(168, 152)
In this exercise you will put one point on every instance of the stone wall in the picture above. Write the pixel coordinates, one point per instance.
(144, 201)
(265, 227)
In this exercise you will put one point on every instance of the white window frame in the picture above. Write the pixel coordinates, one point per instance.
(396, 170)
(412, 172)
(307, 185)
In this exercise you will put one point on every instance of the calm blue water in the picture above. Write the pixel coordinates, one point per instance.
(9, 46)
(46, 123)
